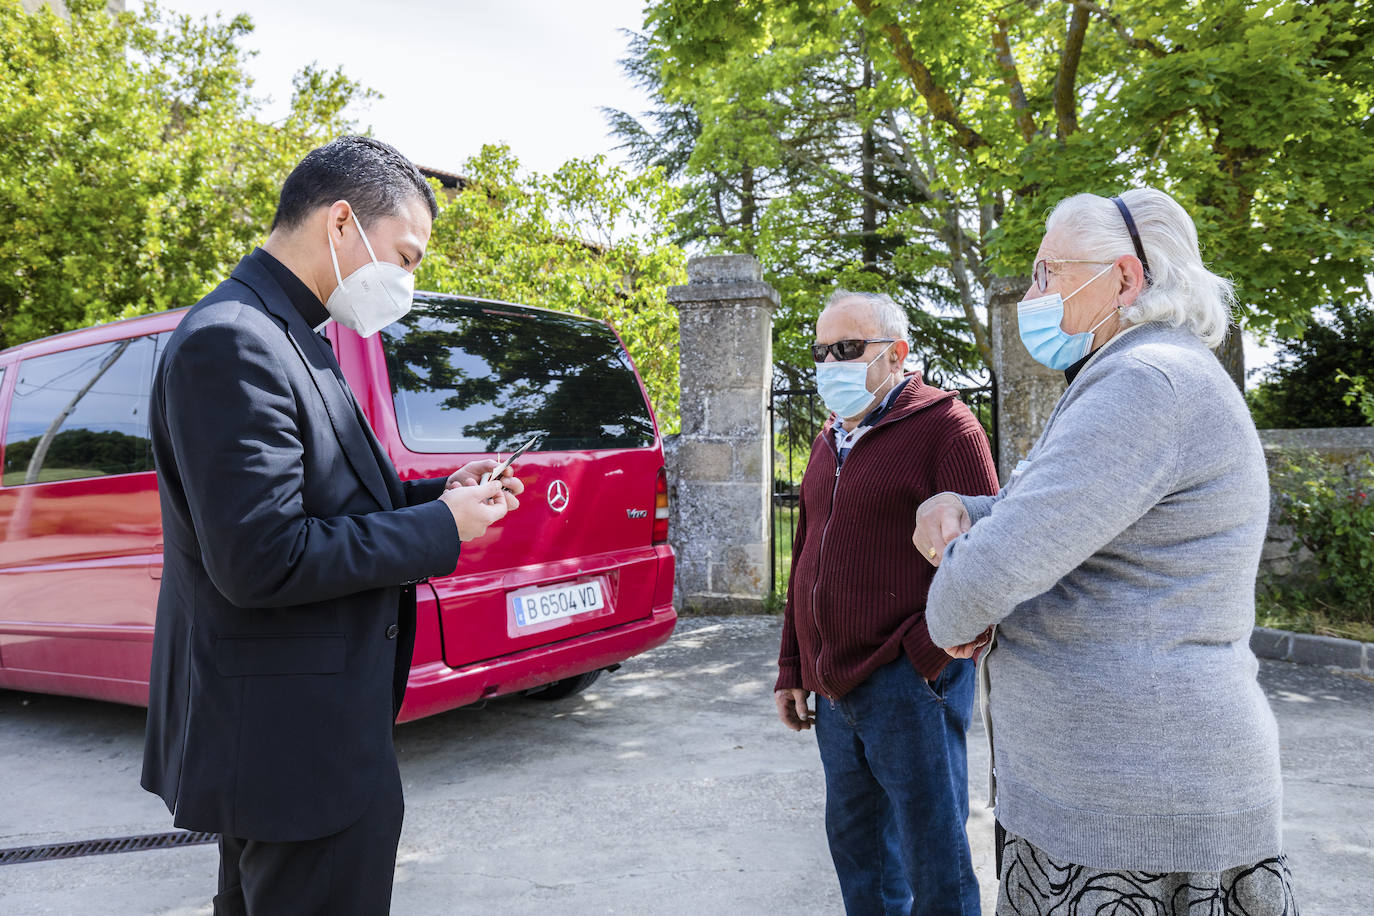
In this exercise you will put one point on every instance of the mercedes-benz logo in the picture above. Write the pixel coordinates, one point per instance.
(558, 496)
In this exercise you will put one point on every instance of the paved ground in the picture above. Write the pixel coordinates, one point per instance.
(669, 788)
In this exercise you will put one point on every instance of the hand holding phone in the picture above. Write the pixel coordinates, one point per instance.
(501, 468)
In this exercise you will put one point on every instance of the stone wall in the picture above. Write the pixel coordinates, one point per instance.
(718, 466)
(1337, 446)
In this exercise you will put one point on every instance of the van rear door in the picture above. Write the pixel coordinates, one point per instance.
(472, 379)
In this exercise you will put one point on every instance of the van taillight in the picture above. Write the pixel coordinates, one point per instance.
(661, 508)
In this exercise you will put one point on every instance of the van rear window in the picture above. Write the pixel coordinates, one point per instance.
(472, 377)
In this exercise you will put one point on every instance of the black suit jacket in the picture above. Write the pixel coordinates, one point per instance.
(284, 632)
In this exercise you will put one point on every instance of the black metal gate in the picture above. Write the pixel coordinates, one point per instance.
(796, 416)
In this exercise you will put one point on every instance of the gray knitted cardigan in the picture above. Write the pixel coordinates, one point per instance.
(1128, 728)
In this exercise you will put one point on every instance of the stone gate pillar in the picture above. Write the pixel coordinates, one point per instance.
(1026, 390)
(719, 469)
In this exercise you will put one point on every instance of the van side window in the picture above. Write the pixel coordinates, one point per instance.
(80, 413)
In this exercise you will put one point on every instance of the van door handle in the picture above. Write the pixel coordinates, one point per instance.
(155, 566)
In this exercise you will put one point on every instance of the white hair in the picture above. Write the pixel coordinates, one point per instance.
(1180, 291)
(891, 318)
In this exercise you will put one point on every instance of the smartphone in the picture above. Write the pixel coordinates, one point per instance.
(501, 468)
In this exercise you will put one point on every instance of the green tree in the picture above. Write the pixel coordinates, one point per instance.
(1359, 394)
(1330, 506)
(134, 172)
(922, 144)
(769, 186)
(1304, 386)
(589, 238)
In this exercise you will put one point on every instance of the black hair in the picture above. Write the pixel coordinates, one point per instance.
(373, 177)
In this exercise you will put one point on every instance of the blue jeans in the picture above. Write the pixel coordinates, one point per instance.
(896, 791)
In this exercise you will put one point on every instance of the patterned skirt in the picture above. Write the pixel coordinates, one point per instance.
(1033, 884)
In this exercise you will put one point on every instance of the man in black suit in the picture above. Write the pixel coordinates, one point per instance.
(286, 616)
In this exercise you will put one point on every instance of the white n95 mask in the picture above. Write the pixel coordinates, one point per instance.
(374, 295)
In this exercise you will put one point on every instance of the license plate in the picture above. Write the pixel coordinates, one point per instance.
(534, 607)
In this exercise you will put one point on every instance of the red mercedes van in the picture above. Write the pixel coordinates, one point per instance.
(577, 580)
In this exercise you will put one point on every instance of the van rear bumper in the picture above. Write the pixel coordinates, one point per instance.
(435, 687)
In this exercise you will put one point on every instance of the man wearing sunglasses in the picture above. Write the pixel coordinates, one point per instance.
(891, 707)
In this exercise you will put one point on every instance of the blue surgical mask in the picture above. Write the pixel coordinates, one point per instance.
(1050, 345)
(843, 386)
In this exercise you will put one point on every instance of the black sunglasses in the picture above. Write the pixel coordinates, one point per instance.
(845, 349)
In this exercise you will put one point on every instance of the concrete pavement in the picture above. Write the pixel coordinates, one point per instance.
(668, 788)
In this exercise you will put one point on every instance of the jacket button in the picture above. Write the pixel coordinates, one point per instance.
(392, 630)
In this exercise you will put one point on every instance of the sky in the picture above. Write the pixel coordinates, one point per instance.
(454, 74)
(457, 74)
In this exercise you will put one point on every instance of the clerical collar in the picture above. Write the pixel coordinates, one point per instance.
(300, 296)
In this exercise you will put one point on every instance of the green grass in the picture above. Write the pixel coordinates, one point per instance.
(1302, 610)
(783, 521)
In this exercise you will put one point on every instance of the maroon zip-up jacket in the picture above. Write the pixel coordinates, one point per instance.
(857, 596)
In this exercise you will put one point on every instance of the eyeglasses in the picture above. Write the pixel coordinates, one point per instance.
(1041, 273)
(845, 349)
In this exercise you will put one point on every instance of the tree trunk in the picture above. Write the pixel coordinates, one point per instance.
(870, 212)
(1065, 102)
(1026, 390)
(748, 207)
(1231, 352)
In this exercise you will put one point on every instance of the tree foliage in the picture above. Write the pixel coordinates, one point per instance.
(1304, 387)
(589, 238)
(918, 147)
(134, 172)
(1331, 510)
(1359, 394)
(78, 453)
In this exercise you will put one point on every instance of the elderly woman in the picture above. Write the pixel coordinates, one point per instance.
(1136, 759)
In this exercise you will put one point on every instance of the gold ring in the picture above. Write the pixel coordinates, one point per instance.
(933, 551)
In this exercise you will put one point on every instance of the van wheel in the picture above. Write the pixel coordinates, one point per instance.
(559, 690)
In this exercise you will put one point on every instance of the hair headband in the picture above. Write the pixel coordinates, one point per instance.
(1135, 237)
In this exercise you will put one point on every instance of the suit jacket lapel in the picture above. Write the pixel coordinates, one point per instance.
(393, 480)
(319, 360)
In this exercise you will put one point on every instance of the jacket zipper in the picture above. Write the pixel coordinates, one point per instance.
(820, 556)
(830, 514)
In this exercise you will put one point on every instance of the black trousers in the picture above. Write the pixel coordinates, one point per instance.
(346, 874)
